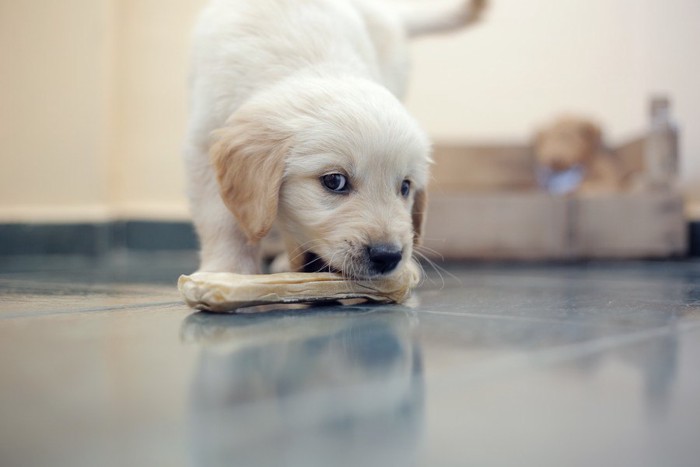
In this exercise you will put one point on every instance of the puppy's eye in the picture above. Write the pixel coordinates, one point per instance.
(406, 188)
(337, 183)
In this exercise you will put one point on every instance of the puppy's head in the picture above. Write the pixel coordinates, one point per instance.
(568, 142)
(339, 164)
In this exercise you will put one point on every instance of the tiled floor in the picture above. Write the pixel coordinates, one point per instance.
(560, 365)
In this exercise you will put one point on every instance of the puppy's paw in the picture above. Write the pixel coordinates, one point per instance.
(280, 264)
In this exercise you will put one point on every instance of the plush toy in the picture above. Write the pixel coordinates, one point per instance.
(571, 157)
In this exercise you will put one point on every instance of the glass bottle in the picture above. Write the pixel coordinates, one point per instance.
(661, 148)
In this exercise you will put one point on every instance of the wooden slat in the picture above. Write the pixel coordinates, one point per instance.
(482, 168)
(633, 225)
(498, 226)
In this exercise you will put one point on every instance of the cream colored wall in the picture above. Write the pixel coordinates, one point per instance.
(55, 78)
(93, 102)
(531, 60)
(150, 102)
(92, 108)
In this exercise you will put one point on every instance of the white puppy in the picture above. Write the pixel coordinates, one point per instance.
(296, 121)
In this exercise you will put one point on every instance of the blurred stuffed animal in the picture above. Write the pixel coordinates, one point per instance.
(571, 157)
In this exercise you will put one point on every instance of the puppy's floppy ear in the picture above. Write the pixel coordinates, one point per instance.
(418, 215)
(249, 160)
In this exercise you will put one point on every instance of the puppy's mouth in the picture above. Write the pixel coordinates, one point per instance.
(314, 263)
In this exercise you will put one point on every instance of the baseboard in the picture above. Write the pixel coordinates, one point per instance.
(95, 239)
(100, 238)
(149, 235)
(694, 239)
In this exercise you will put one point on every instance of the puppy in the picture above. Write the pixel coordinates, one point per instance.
(571, 157)
(296, 121)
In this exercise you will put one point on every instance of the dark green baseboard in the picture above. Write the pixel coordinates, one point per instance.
(95, 239)
(694, 239)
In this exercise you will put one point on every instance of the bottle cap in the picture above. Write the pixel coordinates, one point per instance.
(659, 104)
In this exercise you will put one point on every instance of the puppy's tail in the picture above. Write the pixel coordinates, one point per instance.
(444, 19)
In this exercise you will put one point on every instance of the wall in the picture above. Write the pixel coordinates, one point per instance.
(55, 84)
(93, 103)
(150, 104)
(92, 108)
(531, 60)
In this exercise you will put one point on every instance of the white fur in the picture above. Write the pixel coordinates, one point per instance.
(325, 76)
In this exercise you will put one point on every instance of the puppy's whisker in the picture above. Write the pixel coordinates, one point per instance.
(312, 242)
(423, 274)
(317, 258)
(304, 250)
(349, 266)
(330, 263)
(295, 257)
(426, 249)
(438, 269)
(309, 262)
(436, 266)
(433, 265)
(345, 264)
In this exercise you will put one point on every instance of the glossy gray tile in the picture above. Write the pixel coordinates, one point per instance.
(546, 365)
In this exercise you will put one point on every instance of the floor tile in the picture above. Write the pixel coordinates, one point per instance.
(547, 365)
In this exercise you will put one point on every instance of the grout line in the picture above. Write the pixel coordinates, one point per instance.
(103, 309)
(34, 286)
(507, 366)
(516, 318)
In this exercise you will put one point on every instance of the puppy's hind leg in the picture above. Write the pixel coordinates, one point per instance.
(444, 19)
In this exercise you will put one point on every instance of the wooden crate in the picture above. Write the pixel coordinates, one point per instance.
(498, 226)
(484, 204)
(635, 225)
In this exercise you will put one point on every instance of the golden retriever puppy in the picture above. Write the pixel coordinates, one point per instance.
(296, 121)
(571, 157)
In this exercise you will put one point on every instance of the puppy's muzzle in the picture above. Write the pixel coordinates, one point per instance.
(383, 258)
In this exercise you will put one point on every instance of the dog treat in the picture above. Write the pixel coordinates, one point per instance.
(222, 291)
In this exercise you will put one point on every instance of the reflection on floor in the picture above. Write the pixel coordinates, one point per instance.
(494, 365)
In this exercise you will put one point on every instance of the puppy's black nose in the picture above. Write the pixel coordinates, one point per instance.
(383, 258)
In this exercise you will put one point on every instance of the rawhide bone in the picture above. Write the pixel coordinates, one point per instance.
(222, 291)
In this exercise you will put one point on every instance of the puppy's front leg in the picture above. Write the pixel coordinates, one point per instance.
(225, 248)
